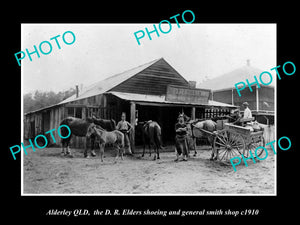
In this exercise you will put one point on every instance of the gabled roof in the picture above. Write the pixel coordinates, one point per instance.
(228, 80)
(105, 85)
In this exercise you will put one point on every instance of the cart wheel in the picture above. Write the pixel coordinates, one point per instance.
(255, 142)
(228, 145)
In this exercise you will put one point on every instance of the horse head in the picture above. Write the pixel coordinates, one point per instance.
(94, 129)
(90, 130)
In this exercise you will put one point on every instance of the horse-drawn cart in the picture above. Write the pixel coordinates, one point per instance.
(235, 140)
(231, 140)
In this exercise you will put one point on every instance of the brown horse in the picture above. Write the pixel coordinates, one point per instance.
(151, 132)
(114, 137)
(79, 128)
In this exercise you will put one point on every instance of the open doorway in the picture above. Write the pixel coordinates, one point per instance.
(166, 116)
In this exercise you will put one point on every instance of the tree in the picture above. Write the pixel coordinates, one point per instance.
(43, 99)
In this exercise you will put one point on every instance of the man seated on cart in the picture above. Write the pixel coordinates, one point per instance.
(247, 117)
(247, 111)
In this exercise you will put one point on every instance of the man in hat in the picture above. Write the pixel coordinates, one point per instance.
(180, 138)
(125, 127)
(234, 117)
(247, 111)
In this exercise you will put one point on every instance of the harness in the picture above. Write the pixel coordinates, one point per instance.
(193, 125)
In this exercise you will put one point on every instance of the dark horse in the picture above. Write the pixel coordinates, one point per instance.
(79, 128)
(151, 133)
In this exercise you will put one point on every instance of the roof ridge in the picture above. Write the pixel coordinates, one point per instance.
(96, 84)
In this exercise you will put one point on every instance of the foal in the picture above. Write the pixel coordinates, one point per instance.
(107, 137)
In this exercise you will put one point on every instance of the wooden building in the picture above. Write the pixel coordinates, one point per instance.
(261, 100)
(152, 91)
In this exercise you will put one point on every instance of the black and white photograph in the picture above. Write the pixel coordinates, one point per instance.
(171, 108)
(150, 113)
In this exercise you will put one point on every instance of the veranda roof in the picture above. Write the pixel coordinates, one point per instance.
(160, 99)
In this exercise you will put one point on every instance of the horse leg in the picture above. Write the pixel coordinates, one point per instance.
(101, 145)
(143, 149)
(69, 150)
(157, 152)
(62, 147)
(144, 144)
(67, 142)
(195, 147)
(65, 146)
(214, 152)
(93, 153)
(121, 152)
(87, 140)
(118, 152)
(213, 156)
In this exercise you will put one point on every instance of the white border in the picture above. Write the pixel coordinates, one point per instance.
(22, 136)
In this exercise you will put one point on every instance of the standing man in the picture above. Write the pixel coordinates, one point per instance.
(125, 127)
(181, 139)
(247, 111)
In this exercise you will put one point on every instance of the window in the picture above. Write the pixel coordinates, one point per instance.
(78, 113)
(70, 111)
(75, 112)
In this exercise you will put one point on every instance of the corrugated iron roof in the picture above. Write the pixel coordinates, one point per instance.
(108, 83)
(228, 80)
(161, 99)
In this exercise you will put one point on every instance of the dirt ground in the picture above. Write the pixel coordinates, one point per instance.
(47, 172)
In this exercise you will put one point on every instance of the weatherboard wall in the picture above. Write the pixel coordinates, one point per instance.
(153, 80)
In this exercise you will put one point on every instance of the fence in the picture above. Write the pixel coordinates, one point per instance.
(269, 132)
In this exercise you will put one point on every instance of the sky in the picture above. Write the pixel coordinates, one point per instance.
(196, 51)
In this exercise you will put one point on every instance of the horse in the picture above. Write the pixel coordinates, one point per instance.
(108, 125)
(194, 131)
(151, 132)
(114, 137)
(79, 128)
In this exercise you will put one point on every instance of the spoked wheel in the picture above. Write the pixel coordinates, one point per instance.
(255, 142)
(228, 145)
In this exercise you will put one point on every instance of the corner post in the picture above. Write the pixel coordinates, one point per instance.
(132, 122)
(193, 113)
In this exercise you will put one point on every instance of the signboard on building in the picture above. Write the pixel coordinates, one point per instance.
(187, 95)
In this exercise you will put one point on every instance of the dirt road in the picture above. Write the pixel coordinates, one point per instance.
(47, 172)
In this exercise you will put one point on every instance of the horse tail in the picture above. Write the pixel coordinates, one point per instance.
(157, 136)
(119, 138)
